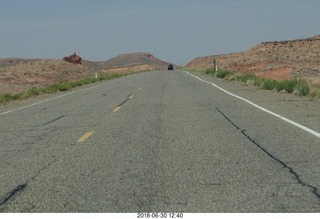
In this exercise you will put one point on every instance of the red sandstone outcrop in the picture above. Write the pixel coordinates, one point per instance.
(74, 58)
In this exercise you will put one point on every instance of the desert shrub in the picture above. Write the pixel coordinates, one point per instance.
(280, 86)
(314, 94)
(246, 78)
(34, 91)
(258, 82)
(17, 96)
(65, 86)
(289, 85)
(302, 88)
(218, 74)
(6, 98)
(210, 71)
(268, 84)
(222, 74)
(76, 84)
(53, 88)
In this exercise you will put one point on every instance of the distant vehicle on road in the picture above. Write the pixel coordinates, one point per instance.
(170, 67)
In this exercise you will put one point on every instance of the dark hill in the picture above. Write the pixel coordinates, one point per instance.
(133, 59)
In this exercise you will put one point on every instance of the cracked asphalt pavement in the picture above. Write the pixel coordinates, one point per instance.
(160, 142)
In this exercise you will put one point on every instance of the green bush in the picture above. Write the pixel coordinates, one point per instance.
(302, 88)
(34, 91)
(268, 84)
(65, 86)
(218, 74)
(210, 71)
(6, 98)
(222, 74)
(53, 88)
(290, 85)
(76, 84)
(17, 96)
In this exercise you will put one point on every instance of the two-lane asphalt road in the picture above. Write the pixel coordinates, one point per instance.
(163, 141)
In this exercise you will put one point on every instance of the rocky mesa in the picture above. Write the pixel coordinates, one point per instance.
(279, 60)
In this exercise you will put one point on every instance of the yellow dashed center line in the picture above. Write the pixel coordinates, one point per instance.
(85, 136)
(116, 109)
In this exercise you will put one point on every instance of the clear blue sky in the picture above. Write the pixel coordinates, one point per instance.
(173, 30)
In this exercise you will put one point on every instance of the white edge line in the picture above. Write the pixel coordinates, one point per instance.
(47, 100)
(261, 108)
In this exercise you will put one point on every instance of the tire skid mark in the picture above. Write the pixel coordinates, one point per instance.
(20, 188)
(12, 193)
(53, 120)
(117, 108)
(126, 100)
(314, 189)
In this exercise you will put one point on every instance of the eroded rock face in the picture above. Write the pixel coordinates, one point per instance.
(74, 58)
